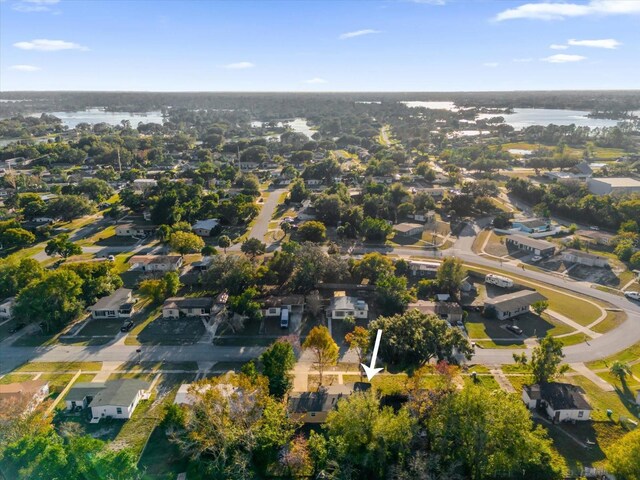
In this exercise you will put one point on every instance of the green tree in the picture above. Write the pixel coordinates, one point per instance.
(16, 237)
(546, 359)
(153, 288)
(313, 231)
(373, 266)
(623, 457)
(94, 188)
(185, 242)
(375, 229)
(245, 304)
(15, 275)
(224, 242)
(231, 273)
(68, 207)
(488, 434)
(172, 284)
(450, 275)
(61, 245)
(540, 306)
(299, 191)
(393, 294)
(414, 338)
(325, 350)
(368, 437)
(359, 342)
(620, 370)
(277, 361)
(253, 247)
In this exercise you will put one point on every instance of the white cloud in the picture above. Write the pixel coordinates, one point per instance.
(238, 65)
(490, 64)
(358, 33)
(523, 60)
(560, 11)
(563, 58)
(45, 45)
(24, 68)
(556, 46)
(34, 5)
(609, 43)
(429, 2)
(315, 80)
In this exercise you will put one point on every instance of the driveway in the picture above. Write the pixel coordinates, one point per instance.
(261, 224)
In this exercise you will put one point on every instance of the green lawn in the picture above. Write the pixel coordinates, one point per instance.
(611, 321)
(59, 366)
(628, 355)
(161, 459)
(15, 378)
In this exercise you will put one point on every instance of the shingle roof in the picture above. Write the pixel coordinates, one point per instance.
(80, 390)
(188, 302)
(119, 393)
(118, 298)
(323, 400)
(513, 301)
(531, 242)
(564, 396)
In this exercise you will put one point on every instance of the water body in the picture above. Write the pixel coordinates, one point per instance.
(526, 117)
(433, 105)
(299, 125)
(97, 115)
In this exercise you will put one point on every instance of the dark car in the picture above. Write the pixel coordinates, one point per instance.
(127, 326)
(515, 329)
(18, 327)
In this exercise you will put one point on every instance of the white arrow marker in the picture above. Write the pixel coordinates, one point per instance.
(372, 370)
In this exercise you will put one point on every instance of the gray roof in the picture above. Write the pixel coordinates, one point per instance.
(120, 393)
(188, 302)
(513, 301)
(114, 301)
(407, 227)
(564, 396)
(531, 242)
(347, 303)
(323, 400)
(81, 390)
(533, 222)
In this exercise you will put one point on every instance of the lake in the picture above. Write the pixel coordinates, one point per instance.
(299, 125)
(97, 115)
(526, 117)
(433, 105)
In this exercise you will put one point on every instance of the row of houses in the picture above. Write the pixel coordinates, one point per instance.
(203, 228)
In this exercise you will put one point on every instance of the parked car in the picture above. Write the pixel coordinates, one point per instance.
(18, 327)
(632, 295)
(593, 227)
(536, 258)
(111, 258)
(284, 318)
(127, 326)
(515, 329)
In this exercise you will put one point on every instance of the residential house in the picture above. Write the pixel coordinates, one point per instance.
(176, 307)
(33, 390)
(120, 304)
(272, 306)
(6, 307)
(205, 228)
(423, 269)
(533, 246)
(156, 263)
(435, 192)
(134, 230)
(111, 399)
(342, 306)
(562, 401)
(427, 216)
(314, 182)
(532, 225)
(512, 304)
(583, 171)
(584, 258)
(449, 311)
(613, 186)
(313, 407)
(144, 184)
(408, 229)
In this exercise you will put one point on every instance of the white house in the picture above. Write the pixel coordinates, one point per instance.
(343, 306)
(119, 304)
(114, 399)
(133, 230)
(563, 402)
(204, 228)
(176, 307)
(143, 184)
(423, 269)
(272, 306)
(408, 229)
(512, 304)
(6, 307)
(584, 258)
(156, 263)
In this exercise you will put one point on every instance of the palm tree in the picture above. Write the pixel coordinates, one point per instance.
(621, 370)
(225, 242)
(286, 228)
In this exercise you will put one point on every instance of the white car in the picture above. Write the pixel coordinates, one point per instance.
(536, 258)
(632, 295)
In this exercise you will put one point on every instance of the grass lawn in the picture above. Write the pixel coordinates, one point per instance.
(100, 327)
(161, 459)
(60, 367)
(479, 241)
(486, 381)
(573, 339)
(532, 326)
(134, 366)
(630, 354)
(384, 383)
(15, 378)
(611, 321)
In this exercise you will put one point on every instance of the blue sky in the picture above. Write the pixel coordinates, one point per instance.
(339, 45)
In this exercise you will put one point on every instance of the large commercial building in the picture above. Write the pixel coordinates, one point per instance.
(613, 186)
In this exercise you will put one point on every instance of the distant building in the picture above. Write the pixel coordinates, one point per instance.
(6, 307)
(272, 306)
(408, 229)
(119, 304)
(313, 407)
(176, 307)
(144, 184)
(427, 216)
(613, 185)
(205, 228)
(156, 263)
(512, 304)
(531, 245)
(114, 399)
(533, 225)
(133, 230)
(584, 258)
(343, 306)
(562, 401)
(449, 311)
